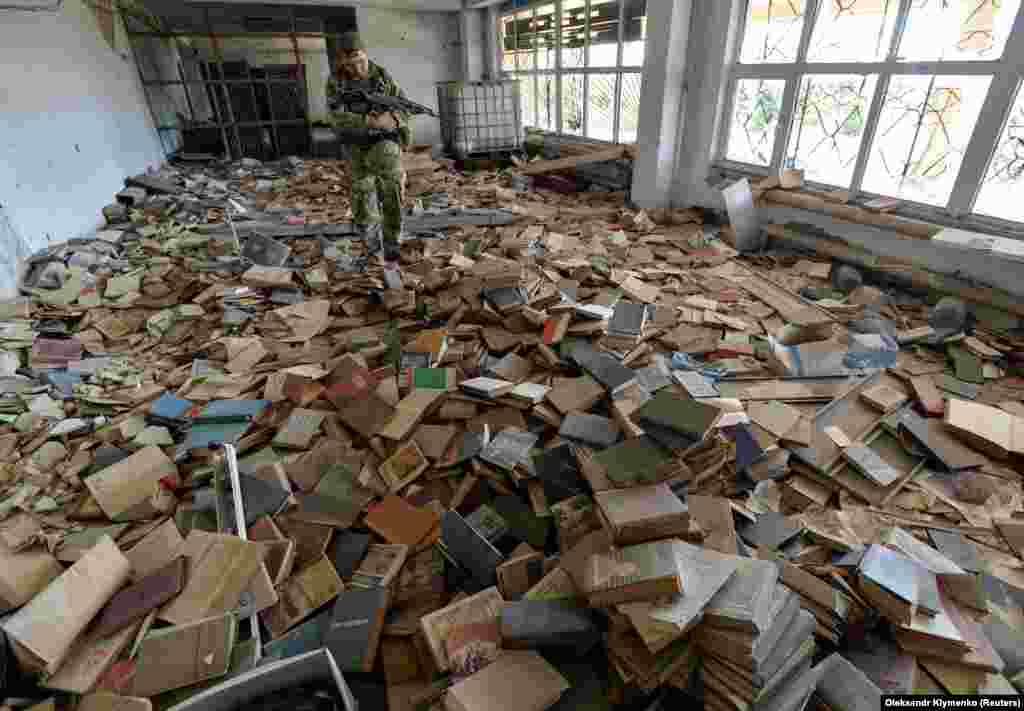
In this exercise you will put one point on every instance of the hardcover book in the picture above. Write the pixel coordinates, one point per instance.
(516, 681)
(643, 513)
(437, 626)
(472, 551)
(634, 573)
(744, 603)
(353, 635)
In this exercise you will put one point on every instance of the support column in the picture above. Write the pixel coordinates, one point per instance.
(661, 102)
(471, 33)
(492, 68)
(710, 55)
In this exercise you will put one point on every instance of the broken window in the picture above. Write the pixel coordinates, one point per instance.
(1001, 192)
(908, 99)
(579, 65)
(755, 117)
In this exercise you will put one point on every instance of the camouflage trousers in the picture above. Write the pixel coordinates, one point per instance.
(378, 169)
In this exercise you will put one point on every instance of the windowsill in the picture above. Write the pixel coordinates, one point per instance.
(979, 226)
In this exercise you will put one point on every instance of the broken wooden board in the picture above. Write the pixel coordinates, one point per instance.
(547, 166)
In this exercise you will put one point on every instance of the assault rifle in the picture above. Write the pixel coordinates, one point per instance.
(360, 101)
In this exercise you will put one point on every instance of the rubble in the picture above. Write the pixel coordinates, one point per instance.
(588, 454)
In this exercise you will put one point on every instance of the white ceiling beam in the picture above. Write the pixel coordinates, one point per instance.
(480, 4)
(417, 5)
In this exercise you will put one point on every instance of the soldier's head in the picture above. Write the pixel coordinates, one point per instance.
(350, 59)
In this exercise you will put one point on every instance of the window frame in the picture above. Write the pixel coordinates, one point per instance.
(619, 70)
(996, 111)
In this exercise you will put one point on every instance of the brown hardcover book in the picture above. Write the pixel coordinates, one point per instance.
(635, 573)
(643, 513)
(577, 394)
(714, 514)
(397, 521)
(516, 681)
(135, 602)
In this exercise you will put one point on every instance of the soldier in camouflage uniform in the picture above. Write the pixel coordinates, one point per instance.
(377, 167)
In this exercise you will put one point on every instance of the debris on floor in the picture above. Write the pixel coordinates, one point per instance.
(574, 455)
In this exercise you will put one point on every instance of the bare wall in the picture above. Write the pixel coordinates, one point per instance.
(419, 49)
(73, 123)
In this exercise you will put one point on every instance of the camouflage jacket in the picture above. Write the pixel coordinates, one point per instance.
(345, 119)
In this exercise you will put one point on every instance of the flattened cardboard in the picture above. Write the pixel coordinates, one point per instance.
(104, 701)
(24, 575)
(90, 659)
(138, 600)
(156, 550)
(180, 656)
(220, 568)
(44, 630)
(125, 490)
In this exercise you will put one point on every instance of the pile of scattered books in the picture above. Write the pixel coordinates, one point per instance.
(586, 458)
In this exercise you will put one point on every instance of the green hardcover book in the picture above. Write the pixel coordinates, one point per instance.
(433, 379)
(337, 500)
(635, 461)
(635, 573)
(689, 417)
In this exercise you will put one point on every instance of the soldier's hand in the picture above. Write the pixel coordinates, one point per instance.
(384, 122)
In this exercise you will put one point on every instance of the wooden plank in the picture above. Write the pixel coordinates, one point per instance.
(790, 307)
(851, 213)
(546, 166)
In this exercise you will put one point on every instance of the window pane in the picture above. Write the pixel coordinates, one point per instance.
(601, 111)
(957, 29)
(634, 40)
(527, 100)
(545, 36)
(1003, 188)
(572, 104)
(604, 32)
(546, 97)
(772, 31)
(853, 30)
(755, 117)
(629, 110)
(574, 33)
(828, 125)
(508, 43)
(923, 130)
